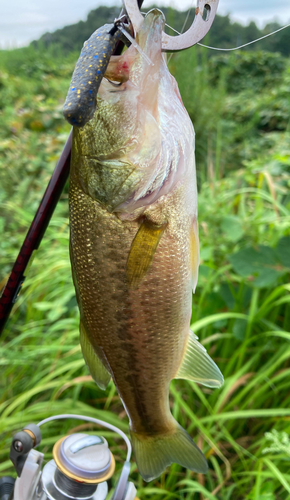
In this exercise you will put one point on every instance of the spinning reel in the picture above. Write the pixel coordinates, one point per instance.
(80, 469)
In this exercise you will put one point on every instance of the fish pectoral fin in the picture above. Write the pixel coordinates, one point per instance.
(97, 369)
(198, 366)
(142, 251)
(154, 453)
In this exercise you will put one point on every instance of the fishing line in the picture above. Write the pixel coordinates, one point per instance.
(184, 24)
(219, 48)
(135, 44)
(240, 46)
(183, 27)
(94, 421)
(245, 44)
(186, 19)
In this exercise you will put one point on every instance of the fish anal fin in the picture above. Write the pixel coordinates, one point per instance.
(97, 369)
(154, 453)
(194, 254)
(142, 251)
(198, 366)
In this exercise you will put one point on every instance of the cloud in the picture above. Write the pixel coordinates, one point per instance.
(22, 21)
(252, 9)
(243, 10)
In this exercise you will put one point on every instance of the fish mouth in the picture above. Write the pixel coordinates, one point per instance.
(137, 61)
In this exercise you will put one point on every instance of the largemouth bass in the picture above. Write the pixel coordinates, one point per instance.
(134, 248)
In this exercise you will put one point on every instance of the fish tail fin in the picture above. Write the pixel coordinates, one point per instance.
(154, 453)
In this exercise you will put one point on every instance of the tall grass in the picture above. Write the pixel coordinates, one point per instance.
(43, 373)
(241, 310)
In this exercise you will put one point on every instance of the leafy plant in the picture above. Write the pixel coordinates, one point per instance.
(241, 308)
(279, 442)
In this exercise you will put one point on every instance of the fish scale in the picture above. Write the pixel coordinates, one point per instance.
(112, 307)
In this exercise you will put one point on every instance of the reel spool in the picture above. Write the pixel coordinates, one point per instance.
(82, 464)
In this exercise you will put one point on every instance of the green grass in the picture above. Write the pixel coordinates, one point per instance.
(241, 309)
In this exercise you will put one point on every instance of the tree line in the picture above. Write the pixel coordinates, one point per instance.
(223, 33)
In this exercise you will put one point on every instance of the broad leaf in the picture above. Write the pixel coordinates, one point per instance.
(263, 265)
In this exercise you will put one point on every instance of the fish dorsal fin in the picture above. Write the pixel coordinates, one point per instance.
(142, 251)
(198, 366)
(99, 373)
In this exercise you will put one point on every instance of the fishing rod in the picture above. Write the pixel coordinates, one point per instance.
(41, 220)
(35, 233)
(204, 17)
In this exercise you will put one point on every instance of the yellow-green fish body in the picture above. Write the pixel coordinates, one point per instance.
(134, 249)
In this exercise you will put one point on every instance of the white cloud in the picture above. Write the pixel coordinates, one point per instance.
(22, 21)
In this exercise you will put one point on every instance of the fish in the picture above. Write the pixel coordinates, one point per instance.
(134, 248)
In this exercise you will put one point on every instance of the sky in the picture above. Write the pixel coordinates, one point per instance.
(25, 20)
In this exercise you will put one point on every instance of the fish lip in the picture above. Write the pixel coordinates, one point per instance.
(156, 12)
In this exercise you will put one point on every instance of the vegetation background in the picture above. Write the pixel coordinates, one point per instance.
(240, 107)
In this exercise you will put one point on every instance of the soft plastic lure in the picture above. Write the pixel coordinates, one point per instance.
(80, 103)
